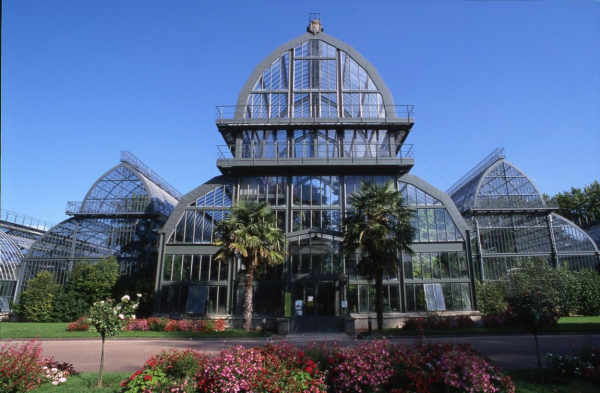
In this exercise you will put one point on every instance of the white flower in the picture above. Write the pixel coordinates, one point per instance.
(135, 306)
(139, 295)
(63, 379)
(54, 370)
(54, 383)
(121, 316)
(125, 298)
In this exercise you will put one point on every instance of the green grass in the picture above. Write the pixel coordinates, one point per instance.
(527, 381)
(9, 330)
(565, 325)
(86, 382)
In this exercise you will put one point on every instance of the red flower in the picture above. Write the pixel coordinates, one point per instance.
(308, 370)
(147, 377)
(331, 360)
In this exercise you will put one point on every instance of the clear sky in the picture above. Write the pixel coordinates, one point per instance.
(83, 80)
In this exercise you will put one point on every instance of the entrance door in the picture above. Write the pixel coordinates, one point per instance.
(317, 307)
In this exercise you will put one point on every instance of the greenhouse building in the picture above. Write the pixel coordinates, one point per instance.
(312, 122)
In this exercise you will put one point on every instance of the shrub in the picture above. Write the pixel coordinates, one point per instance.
(80, 325)
(20, 367)
(157, 324)
(37, 300)
(588, 296)
(494, 320)
(463, 322)
(93, 281)
(174, 369)
(491, 297)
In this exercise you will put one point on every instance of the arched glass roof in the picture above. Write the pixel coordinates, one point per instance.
(74, 239)
(569, 237)
(125, 183)
(315, 76)
(499, 185)
(11, 252)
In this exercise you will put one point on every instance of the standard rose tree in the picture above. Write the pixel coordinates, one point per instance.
(109, 318)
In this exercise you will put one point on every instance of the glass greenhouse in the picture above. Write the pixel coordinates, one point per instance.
(512, 221)
(313, 120)
(120, 216)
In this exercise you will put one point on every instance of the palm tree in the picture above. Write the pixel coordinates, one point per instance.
(378, 228)
(250, 232)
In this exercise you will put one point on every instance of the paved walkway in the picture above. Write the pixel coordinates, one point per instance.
(509, 351)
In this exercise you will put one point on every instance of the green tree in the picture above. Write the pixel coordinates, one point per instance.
(93, 281)
(580, 205)
(250, 231)
(37, 302)
(378, 227)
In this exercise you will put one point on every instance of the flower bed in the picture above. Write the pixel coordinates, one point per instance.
(22, 367)
(377, 366)
(160, 325)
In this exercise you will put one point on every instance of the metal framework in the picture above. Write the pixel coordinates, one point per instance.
(17, 234)
(512, 221)
(119, 216)
(313, 120)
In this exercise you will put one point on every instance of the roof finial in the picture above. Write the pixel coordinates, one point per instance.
(314, 23)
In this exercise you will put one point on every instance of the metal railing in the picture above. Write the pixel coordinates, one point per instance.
(316, 149)
(494, 156)
(119, 206)
(306, 112)
(511, 202)
(20, 219)
(135, 162)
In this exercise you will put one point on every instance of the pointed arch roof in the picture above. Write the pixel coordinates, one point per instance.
(288, 47)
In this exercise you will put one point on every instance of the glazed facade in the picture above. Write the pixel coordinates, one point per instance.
(511, 222)
(313, 121)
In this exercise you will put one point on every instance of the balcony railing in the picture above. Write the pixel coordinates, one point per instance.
(118, 206)
(316, 149)
(312, 112)
(22, 220)
(512, 202)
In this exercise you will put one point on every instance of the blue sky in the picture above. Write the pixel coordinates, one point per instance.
(83, 80)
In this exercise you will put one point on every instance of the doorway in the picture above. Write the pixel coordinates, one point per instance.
(317, 307)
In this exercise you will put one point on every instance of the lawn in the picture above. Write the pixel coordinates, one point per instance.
(565, 325)
(9, 330)
(87, 382)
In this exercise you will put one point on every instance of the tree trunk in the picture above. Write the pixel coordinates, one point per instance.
(101, 361)
(248, 309)
(379, 300)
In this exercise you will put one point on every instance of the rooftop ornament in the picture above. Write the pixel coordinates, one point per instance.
(314, 26)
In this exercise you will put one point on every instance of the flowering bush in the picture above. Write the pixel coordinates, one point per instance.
(22, 368)
(158, 324)
(174, 369)
(586, 363)
(499, 320)
(137, 325)
(80, 325)
(376, 366)
(57, 372)
(462, 322)
(171, 325)
(440, 323)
